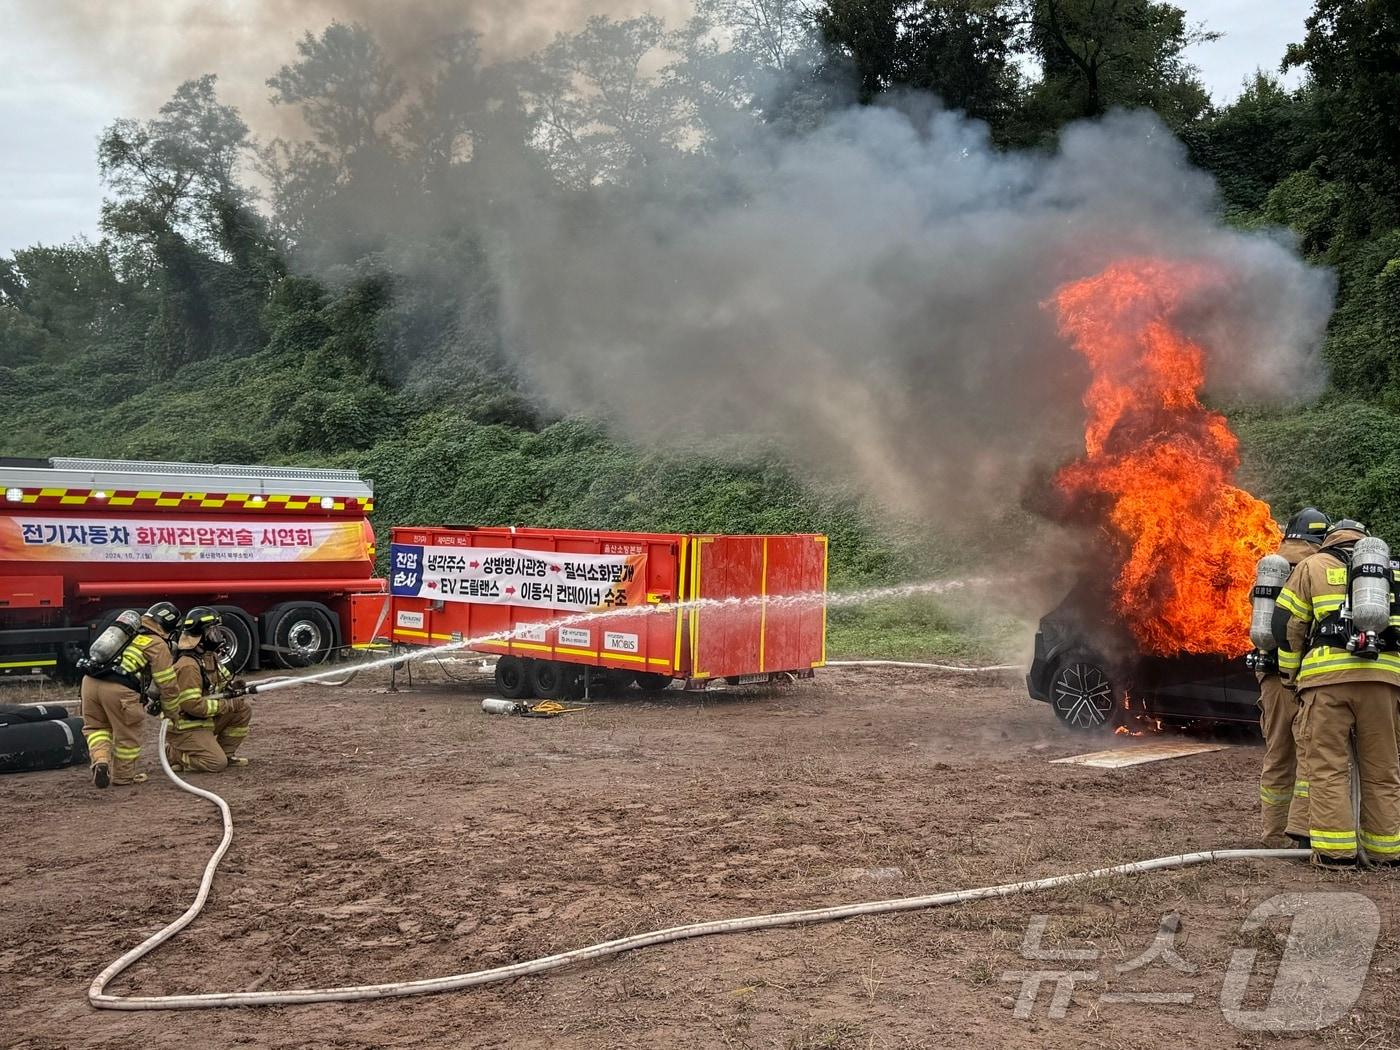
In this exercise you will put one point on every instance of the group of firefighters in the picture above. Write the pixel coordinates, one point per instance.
(1322, 702)
(171, 668)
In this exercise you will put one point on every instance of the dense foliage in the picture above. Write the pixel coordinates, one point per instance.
(352, 317)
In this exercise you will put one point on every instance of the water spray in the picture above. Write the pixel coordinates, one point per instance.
(800, 600)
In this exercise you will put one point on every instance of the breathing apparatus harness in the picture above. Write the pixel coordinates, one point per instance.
(1338, 629)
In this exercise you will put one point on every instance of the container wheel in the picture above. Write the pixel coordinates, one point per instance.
(1082, 694)
(651, 682)
(513, 678)
(553, 680)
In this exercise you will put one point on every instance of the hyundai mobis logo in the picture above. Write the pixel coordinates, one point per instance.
(1327, 951)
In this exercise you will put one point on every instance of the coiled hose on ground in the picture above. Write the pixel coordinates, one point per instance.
(100, 998)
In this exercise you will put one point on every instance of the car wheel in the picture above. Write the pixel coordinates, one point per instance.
(512, 678)
(1081, 694)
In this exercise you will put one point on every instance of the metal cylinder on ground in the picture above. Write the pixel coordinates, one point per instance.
(1269, 577)
(493, 706)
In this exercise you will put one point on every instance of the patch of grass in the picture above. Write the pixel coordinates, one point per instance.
(919, 627)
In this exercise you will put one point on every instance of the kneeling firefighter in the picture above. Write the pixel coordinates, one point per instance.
(1283, 786)
(129, 659)
(1337, 624)
(206, 730)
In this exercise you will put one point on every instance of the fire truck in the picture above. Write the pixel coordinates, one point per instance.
(282, 552)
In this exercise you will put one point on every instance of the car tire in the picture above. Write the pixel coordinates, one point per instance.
(1082, 693)
(513, 678)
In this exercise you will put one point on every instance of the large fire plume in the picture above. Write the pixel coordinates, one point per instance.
(1158, 466)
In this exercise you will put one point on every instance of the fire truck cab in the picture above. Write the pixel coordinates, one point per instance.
(280, 551)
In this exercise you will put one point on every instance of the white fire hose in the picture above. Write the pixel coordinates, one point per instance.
(99, 997)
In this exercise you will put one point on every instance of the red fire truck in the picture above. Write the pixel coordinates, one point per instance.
(650, 608)
(280, 551)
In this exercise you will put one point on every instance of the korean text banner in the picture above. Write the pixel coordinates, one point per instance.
(504, 576)
(29, 538)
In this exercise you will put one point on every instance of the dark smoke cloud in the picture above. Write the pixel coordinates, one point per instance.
(872, 293)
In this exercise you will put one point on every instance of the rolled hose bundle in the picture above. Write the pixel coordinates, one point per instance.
(13, 714)
(51, 744)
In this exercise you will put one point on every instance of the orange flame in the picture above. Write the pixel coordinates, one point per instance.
(1158, 465)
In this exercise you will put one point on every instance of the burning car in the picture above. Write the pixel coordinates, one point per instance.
(1092, 674)
(1172, 541)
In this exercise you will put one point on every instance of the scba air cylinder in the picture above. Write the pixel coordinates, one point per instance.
(1370, 585)
(1269, 577)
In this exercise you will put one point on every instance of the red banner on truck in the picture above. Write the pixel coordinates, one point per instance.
(81, 538)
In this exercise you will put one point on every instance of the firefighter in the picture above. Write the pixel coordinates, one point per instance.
(113, 697)
(206, 729)
(1341, 693)
(1283, 786)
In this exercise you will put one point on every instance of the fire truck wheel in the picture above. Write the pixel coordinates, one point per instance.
(651, 682)
(512, 678)
(1081, 693)
(302, 636)
(553, 680)
(239, 636)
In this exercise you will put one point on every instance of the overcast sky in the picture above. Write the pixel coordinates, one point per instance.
(53, 106)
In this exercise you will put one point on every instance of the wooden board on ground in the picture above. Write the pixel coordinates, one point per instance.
(1139, 754)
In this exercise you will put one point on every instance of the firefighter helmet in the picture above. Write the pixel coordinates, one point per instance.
(1308, 524)
(1347, 525)
(165, 614)
(199, 620)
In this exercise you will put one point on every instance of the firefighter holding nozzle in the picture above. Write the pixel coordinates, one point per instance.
(208, 715)
(1338, 635)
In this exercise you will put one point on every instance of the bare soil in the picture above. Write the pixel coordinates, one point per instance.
(384, 836)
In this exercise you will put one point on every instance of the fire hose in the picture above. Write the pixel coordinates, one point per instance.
(923, 666)
(100, 998)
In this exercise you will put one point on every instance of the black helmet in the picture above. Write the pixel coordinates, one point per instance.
(164, 614)
(1308, 524)
(1347, 524)
(199, 620)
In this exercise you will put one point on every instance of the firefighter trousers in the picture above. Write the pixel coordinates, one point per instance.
(1329, 716)
(206, 750)
(113, 719)
(1283, 786)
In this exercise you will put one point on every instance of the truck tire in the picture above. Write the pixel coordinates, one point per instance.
(42, 745)
(300, 634)
(553, 680)
(1082, 694)
(651, 682)
(513, 678)
(241, 635)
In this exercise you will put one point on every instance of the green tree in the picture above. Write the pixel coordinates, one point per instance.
(1352, 55)
(1097, 54)
(961, 50)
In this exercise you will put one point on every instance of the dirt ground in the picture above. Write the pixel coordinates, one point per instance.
(383, 836)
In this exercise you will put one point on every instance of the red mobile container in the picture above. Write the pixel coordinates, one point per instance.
(558, 600)
(279, 550)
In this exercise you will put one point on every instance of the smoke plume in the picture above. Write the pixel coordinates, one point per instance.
(871, 293)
